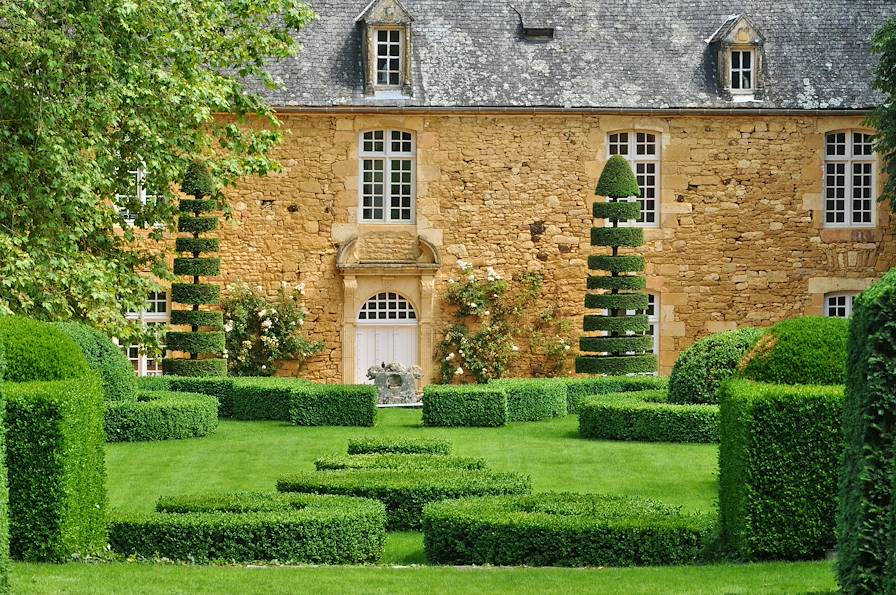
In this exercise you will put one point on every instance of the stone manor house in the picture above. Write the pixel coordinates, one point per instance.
(420, 132)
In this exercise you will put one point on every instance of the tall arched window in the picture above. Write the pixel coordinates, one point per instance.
(850, 185)
(642, 151)
(388, 185)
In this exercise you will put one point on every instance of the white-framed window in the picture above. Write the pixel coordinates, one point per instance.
(135, 193)
(156, 312)
(387, 306)
(742, 71)
(850, 185)
(388, 185)
(389, 48)
(839, 305)
(642, 151)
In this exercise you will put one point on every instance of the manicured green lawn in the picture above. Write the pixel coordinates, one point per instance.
(252, 455)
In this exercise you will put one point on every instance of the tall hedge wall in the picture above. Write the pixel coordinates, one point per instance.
(778, 469)
(56, 459)
(4, 492)
(866, 547)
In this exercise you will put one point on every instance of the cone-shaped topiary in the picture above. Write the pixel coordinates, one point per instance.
(206, 337)
(622, 347)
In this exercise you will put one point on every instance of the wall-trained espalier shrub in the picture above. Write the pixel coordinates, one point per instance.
(204, 342)
(867, 514)
(622, 347)
(249, 527)
(406, 492)
(556, 529)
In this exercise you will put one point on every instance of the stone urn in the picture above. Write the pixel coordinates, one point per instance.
(395, 383)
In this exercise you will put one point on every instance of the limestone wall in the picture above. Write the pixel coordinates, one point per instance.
(741, 240)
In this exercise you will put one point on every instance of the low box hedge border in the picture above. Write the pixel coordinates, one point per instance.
(577, 389)
(645, 416)
(533, 399)
(399, 462)
(464, 405)
(377, 445)
(333, 405)
(406, 493)
(161, 415)
(562, 529)
(250, 527)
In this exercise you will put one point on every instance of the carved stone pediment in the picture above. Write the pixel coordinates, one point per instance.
(387, 249)
(385, 12)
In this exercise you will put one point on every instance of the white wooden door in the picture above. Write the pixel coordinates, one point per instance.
(386, 333)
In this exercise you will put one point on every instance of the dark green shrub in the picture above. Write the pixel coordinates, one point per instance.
(197, 245)
(616, 264)
(195, 342)
(205, 267)
(552, 529)
(866, 544)
(399, 462)
(55, 455)
(464, 405)
(806, 350)
(196, 206)
(579, 388)
(701, 368)
(212, 367)
(616, 301)
(187, 293)
(199, 184)
(405, 493)
(621, 211)
(4, 492)
(257, 398)
(248, 527)
(616, 324)
(105, 359)
(213, 320)
(39, 351)
(615, 365)
(146, 383)
(645, 416)
(220, 387)
(161, 415)
(609, 283)
(188, 224)
(533, 399)
(778, 469)
(333, 405)
(374, 445)
(631, 237)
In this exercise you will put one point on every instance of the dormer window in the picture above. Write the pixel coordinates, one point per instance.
(388, 57)
(737, 46)
(386, 49)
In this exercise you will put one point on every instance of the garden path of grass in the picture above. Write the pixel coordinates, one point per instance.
(253, 455)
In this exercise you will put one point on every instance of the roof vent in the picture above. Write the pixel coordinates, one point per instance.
(536, 21)
(538, 33)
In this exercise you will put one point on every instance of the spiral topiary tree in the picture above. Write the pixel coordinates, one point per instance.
(205, 341)
(623, 347)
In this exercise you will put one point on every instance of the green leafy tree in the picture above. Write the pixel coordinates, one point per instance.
(883, 119)
(623, 347)
(91, 92)
(195, 221)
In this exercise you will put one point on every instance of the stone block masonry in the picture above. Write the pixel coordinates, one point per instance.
(741, 239)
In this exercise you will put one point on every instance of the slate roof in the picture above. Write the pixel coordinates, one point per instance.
(621, 54)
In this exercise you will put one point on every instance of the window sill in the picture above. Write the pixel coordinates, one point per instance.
(862, 235)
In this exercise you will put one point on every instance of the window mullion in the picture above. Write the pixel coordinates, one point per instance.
(387, 188)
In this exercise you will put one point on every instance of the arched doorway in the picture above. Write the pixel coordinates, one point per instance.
(386, 332)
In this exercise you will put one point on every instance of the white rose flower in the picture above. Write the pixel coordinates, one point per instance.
(514, 348)
(301, 288)
(266, 324)
(486, 313)
(228, 326)
(301, 322)
(458, 371)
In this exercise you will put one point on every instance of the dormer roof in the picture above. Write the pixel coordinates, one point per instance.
(385, 12)
(737, 29)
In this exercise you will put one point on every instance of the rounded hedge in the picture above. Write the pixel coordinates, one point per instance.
(195, 367)
(405, 493)
(630, 237)
(197, 245)
(189, 224)
(621, 211)
(632, 282)
(701, 368)
(805, 350)
(190, 342)
(557, 529)
(198, 318)
(106, 359)
(249, 527)
(39, 351)
(204, 267)
(616, 301)
(373, 445)
(637, 323)
(617, 180)
(616, 264)
(195, 293)
(161, 415)
(616, 365)
(400, 462)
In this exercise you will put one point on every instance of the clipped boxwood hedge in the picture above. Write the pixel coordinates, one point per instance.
(533, 399)
(188, 224)
(779, 463)
(197, 245)
(577, 389)
(106, 360)
(39, 351)
(195, 293)
(557, 529)
(333, 405)
(188, 205)
(212, 367)
(406, 493)
(616, 264)
(637, 323)
(645, 416)
(203, 267)
(56, 460)
(622, 210)
(190, 342)
(805, 350)
(4, 492)
(867, 513)
(615, 364)
(376, 445)
(616, 301)
(399, 462)
(248, 527)
(630, 237)
(161, 415)
(630, 282)
(701, 368)
(213, 320)
(620, 344)
(464, 405)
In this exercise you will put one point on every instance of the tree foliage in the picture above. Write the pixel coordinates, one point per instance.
(90, 92)
(883, 119)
